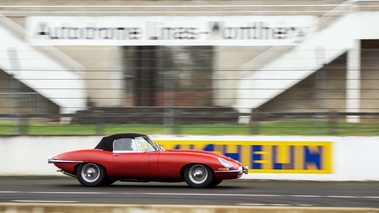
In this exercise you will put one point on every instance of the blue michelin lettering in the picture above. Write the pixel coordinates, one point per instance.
(256, 157)
(235, 156)
(312, 157)
(288, 165)
(209, 148)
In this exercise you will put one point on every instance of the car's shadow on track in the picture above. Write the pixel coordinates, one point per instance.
(169, 186)
(70, 183)
(150, 185)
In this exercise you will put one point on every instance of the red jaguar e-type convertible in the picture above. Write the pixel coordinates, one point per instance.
(135, 157)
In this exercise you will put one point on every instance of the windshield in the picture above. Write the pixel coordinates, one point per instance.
(153, 144)
(146, 144)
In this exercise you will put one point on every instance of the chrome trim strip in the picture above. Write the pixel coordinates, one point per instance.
(66, 161)
(50, 160)
(126, 151)
(229, 171)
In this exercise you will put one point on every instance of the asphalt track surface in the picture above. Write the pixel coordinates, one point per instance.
(236, 192)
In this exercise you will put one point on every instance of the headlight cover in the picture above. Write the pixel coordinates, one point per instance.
(225, 163)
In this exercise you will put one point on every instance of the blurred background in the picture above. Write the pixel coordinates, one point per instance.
(206, 67)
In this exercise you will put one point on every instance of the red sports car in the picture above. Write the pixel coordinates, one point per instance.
(135, 157)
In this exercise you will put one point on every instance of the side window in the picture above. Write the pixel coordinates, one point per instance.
(124, 144)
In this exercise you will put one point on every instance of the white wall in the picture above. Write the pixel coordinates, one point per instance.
(28, 155)
(353, 158)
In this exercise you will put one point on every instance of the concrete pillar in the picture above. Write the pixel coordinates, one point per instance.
(353, 82)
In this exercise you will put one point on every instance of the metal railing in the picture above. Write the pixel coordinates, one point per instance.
(263, 123)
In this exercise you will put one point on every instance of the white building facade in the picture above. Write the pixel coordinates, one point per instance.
(288, 56)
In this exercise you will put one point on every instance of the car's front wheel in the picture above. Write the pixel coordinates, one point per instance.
(90, 174)
(198, 176)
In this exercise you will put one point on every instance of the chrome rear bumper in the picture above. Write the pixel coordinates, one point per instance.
(51, 160)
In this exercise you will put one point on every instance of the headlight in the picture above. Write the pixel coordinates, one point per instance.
(225, 163)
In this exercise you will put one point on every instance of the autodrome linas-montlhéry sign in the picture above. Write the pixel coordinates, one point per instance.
(169, 30)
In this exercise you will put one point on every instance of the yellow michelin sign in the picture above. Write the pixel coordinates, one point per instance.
(301, 157)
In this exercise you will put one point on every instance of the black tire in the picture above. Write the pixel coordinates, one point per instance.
(90, 174)
(108, 182)
(215, 182)
(198, 176)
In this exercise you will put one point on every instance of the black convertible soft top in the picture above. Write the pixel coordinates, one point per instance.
(106, 142)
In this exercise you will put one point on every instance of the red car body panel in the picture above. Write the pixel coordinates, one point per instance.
(164, 165)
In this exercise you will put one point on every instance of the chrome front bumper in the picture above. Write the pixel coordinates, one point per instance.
(240, 170)
(246, 170)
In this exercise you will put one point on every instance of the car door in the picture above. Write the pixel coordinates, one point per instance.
(128, 160)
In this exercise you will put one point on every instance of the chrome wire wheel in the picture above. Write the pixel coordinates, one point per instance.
(90, 172)
(198, 176)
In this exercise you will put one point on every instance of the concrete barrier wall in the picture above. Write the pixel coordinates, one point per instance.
(351, 158)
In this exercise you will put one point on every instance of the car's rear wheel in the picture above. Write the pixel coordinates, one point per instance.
(198, 176)
(90, 174)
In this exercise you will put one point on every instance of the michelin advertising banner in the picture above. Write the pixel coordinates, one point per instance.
(297, 157)
(169, 30)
